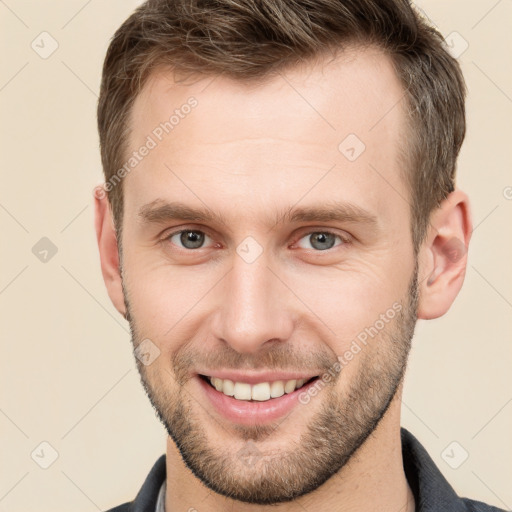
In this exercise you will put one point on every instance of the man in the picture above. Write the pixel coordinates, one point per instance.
(279, 209)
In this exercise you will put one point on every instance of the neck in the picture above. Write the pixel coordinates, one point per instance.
(373, 479)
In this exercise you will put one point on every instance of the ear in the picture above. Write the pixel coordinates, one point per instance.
(107, 244)
(443, 256)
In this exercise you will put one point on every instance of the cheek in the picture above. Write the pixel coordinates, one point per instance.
(162, 298)
(349, 300)
(169, 302)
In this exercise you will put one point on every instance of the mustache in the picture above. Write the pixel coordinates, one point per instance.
(280, 357)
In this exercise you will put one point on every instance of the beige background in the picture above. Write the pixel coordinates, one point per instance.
(67, 373)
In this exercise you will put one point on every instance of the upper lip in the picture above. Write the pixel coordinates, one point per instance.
(255, 378)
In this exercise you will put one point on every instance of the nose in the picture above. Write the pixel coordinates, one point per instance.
(256, 307)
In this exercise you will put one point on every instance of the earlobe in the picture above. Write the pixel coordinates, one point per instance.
(108, 248)
(443, 256)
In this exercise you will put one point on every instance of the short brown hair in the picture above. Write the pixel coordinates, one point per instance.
(248, 40)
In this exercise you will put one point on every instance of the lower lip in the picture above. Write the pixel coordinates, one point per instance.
(251, 413)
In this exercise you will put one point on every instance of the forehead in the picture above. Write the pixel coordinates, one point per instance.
(353, 90)
(280, 135)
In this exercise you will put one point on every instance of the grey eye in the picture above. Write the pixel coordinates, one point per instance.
(320, 240)
(190, 239)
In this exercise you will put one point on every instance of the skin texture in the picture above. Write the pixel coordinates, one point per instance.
(250, 153)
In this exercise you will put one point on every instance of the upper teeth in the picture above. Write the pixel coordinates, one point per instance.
(261, 391)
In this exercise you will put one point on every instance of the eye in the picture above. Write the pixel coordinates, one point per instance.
(322, 240)
(189, 238)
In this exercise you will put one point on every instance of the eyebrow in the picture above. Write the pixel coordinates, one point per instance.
(160, 211)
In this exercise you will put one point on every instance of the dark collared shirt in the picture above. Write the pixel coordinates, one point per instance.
(432, 492)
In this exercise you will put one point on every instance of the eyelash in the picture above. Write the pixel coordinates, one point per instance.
(345, 240)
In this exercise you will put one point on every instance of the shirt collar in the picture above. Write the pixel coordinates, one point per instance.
(431, 490)
(160, 502)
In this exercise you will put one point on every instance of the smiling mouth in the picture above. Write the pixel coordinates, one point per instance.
(261, 392)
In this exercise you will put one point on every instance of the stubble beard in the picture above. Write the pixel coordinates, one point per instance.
(344, 420)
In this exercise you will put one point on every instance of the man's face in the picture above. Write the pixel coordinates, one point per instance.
(251, 287)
